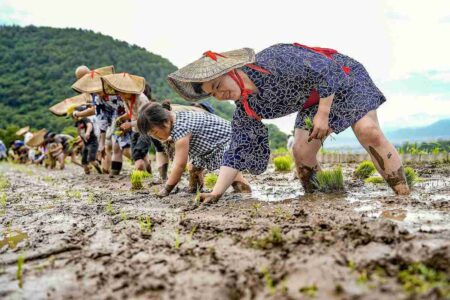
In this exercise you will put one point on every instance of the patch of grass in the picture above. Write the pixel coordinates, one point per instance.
(330, 181)
(109, 209)
(19, 272)
(365, 169)
(374, 180)
(268, 280)
(283, 163)
(274, 238)
(411, 176)
(309, 290)
(210, 180)
(145, 224)
(280, 212)
(137, 176)
(417, 278)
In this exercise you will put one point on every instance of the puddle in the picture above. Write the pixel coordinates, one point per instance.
(12, 238)
(266, 192)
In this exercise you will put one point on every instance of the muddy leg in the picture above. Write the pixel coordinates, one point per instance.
(241, 185)
(305, 155)
(383, 153)
(195, 179)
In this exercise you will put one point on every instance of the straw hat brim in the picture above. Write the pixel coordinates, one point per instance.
(23, 130)
(206, 69)
(37, 139)
(60, 109)
(123, 82)
(91, 82)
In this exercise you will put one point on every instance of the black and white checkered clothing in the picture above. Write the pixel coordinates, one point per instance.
(210, 137)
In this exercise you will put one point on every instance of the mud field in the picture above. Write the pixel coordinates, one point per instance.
(65, 235)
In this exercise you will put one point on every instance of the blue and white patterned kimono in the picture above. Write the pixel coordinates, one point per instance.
(294, 72)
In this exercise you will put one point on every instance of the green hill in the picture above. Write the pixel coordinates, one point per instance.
(37, 69)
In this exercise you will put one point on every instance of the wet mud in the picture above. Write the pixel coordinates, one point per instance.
(91, 237)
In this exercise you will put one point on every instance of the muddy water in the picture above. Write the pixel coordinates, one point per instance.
(85, 239)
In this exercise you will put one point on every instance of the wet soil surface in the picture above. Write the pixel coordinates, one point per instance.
(85, 237)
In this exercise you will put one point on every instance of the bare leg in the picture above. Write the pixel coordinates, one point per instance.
(240, 184)
(116, 164)
(305, 156)
(383, 153)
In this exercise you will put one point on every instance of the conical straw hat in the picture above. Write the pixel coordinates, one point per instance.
(37, 139)
(91, 82)
(123, 82)
(60, 109)
(23, 130)
(208, 67)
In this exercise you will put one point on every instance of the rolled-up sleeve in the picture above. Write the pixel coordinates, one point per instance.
(249, 147)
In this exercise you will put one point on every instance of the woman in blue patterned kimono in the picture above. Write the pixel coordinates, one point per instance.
(334, 90)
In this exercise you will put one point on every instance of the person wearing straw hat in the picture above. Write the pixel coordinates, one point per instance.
(130, 88)
(107, 108)
(332, 89)
(201, 136)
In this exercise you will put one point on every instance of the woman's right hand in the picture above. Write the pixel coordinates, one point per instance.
(209, 198)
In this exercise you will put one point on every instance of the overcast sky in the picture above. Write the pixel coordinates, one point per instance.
(403, 44)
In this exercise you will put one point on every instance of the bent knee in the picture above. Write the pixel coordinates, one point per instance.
(370, 136)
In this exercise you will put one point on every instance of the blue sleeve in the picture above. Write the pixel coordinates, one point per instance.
(249, 147)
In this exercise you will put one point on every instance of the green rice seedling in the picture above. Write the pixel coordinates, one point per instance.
(177, 239)
(283, 163)
(145, 224)
(3, 200)
(374, 180)
(256, 207)
(411, 176)
(192, 232)
(309, 290)
(273, 239)
(109, 209)
(365, 169)
(330, 181)
(19, 272)
(308, 123)
(268, 280)
(210, 180)
(136, 179)
(123, 215)
(48, 179)
(4, 182)
(362, 277)
(73, 194)
(90, 198)
(418, 279)
(197, 197)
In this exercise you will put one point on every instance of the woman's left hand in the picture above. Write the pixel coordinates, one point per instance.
(320, 129)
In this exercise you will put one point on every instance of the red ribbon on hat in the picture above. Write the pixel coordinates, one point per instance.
(93, 72)
(213, 55)
(132, 100)
(244, 94)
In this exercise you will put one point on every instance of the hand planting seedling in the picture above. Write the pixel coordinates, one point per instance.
(330, 181)
(365, 169)
(210, 180)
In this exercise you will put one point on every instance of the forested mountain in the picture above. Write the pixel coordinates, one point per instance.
(37, 67)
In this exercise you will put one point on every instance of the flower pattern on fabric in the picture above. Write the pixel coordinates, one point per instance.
(294, 72)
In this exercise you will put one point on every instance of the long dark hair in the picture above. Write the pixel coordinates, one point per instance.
(152, 115)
